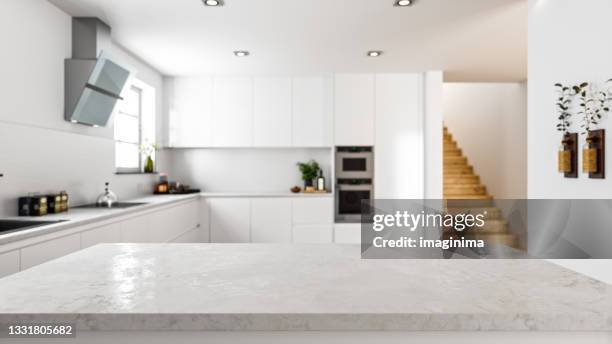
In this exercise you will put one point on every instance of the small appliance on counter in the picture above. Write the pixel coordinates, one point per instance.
(107, 198)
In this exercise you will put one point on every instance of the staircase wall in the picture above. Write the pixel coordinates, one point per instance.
(489, 120)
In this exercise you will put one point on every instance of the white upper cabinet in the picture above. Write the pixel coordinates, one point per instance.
(399, 157)
(272, 112)
(233, 112)
(190, 106)
(312, 111)
(354, 109)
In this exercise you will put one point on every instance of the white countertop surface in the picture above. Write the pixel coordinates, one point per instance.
(299, 287)
(82, 216)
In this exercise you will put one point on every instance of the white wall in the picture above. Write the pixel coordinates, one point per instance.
(489, 123)
(434, 103)
(39, 151)
(559, 31)
(243, 169)
(568, 43)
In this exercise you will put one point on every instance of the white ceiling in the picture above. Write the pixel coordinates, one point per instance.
(471, 40)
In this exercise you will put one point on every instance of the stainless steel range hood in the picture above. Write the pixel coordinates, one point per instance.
(93, 82)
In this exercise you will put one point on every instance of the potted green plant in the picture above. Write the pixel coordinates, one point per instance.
(147, 149)
(309, 171)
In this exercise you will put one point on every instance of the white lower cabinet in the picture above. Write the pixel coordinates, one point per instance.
(312, 234)
(40, 253)
(313, 220)
(102, 235)
(191, 236)
(135, 230)
(271, 220)
(347, 233)
(9, 263)
(230, 220)
(313, 210)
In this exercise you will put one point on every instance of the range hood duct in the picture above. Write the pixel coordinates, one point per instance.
(93, 82)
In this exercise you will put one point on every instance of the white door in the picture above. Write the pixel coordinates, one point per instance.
(271, 220)
(312, 111)
(354, 109)
(272, 112)
(190, 108)
(230, 220)
(233, 112)
(398, 151)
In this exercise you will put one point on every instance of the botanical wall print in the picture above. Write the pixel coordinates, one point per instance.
(591, 105)
(568, 149)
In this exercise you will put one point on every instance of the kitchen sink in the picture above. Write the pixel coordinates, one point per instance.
(118, 205)
(14, 225)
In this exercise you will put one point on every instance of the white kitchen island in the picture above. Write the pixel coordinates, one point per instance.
(304, 293)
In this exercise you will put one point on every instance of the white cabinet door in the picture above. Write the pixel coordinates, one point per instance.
(204, 219)
(101, 235)
(135, 230)
(272, 112)
(230, 220)
(354, 109)
(40, 253)
(189, 111)
(313, 210)
(312, 111)
(9, 263)
(233, 112)
(192, 236)
(312, 234)
(271, 220)
(347, 233)
(399, 157)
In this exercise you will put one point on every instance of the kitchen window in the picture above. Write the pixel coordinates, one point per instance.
(134, 126)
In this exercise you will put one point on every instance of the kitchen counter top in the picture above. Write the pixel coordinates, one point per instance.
(82, 216)
(299, 288)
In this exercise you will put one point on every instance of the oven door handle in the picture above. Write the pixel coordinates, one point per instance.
(344, 187)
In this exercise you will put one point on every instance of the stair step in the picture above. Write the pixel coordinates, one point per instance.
(455, 160)
(467, 188)
(471, 197)
(453, 153)
(461, 179)
(458, 170)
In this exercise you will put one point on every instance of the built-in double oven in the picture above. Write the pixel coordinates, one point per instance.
(354, 181)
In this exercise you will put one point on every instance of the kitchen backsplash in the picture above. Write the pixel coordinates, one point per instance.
(49, 160)
(242, 170)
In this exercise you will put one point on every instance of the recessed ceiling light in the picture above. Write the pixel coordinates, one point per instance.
(213, 3)
(241, 53)
(403, 3)
(374, 53)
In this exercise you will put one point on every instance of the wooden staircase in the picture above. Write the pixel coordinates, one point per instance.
(465, 193)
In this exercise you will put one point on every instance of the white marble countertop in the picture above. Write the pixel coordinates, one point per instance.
(82, 216)
(299, 287)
